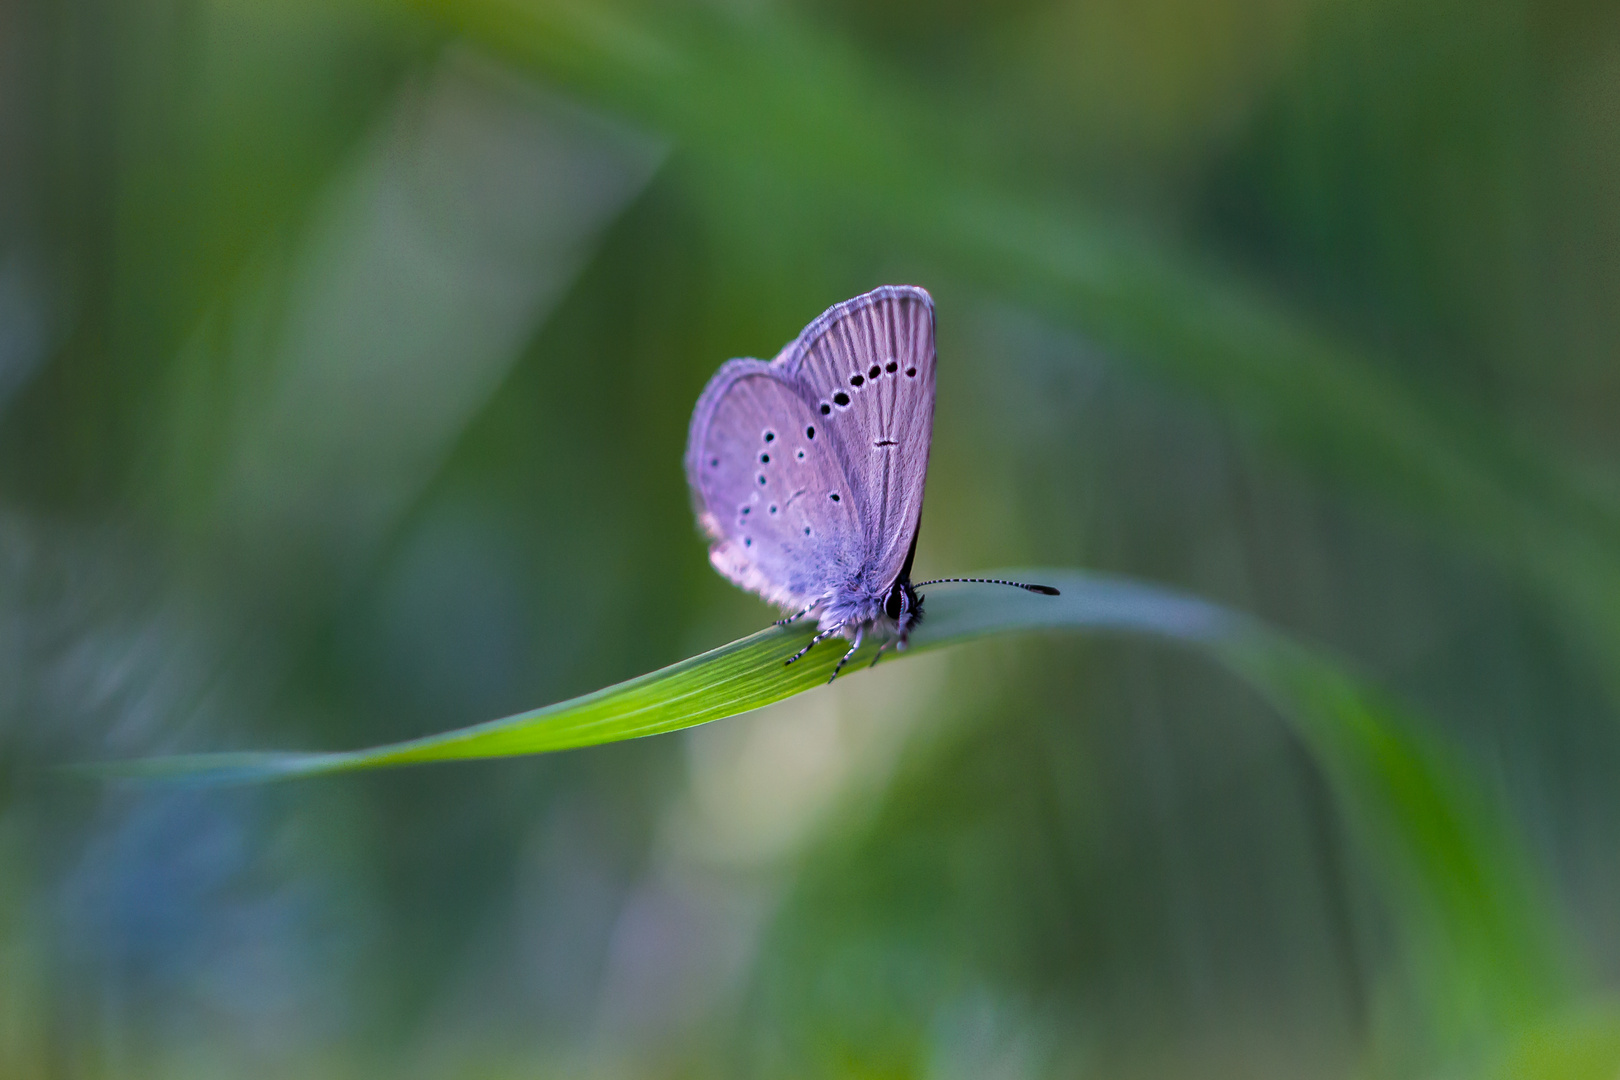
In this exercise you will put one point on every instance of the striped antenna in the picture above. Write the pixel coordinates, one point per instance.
(1044, 590)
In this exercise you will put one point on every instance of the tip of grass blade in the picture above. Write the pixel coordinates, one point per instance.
(224, 769)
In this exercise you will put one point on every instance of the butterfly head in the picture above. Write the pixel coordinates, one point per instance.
(904, 607)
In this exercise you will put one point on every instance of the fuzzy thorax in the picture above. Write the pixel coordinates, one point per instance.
(858, 611)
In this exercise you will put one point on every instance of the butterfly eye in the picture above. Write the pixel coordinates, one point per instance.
(896, 602)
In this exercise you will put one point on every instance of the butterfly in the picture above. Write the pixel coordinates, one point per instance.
(807, 472)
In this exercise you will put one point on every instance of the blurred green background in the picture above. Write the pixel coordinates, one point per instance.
(346, 356)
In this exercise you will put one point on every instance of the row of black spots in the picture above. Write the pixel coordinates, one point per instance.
(767, 436)
(764, 459)
(858, 380)
(875, 371)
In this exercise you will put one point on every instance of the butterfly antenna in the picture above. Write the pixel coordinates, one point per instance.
(1044, 590)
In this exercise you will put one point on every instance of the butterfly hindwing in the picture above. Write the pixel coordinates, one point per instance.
(769, 489)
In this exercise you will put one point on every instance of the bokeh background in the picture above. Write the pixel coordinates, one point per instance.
(346, 355)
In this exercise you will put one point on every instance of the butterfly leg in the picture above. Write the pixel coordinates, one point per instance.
(879, 655)
(840, 666)
(817, 640)
(800, 615)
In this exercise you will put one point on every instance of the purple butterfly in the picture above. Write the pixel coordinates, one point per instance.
(807, 472)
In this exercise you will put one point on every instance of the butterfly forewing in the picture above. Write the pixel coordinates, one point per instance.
(868, 367)
(770, 490)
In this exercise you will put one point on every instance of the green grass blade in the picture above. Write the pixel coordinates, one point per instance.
(732, 679)
(1482, 936)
